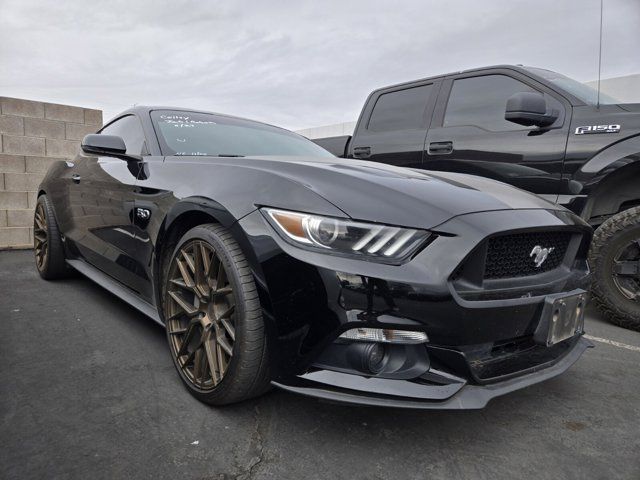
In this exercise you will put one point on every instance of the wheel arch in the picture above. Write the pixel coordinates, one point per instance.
(192, 212)
(616, 192)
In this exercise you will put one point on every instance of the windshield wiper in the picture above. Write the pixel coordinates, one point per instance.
(228, 155)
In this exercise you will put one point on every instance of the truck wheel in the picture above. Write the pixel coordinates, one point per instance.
(615, 261)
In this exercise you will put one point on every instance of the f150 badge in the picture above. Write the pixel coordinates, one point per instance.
(597, 129)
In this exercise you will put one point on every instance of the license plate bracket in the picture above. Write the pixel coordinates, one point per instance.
(562, 317)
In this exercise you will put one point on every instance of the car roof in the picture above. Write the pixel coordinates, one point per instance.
(143, 111)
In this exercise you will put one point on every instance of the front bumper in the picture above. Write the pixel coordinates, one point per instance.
(479, 347)
(349, 389)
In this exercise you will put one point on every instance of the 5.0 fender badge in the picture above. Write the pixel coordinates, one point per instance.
(588, 129)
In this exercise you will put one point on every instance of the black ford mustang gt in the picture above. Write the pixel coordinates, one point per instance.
(271, 262)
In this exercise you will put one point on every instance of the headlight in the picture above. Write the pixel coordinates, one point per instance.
(345, 237)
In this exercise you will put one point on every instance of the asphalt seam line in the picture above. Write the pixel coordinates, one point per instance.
(613, 342)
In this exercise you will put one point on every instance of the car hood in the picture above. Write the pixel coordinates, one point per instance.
(393, 195)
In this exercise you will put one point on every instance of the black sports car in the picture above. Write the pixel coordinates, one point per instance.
(272, 262)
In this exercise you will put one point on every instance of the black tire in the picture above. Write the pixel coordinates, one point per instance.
(246, 374)
(612, 237)
(51, 265)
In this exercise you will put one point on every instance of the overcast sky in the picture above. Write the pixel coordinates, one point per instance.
(293, 63)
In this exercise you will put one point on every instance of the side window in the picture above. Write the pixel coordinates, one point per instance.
(481, 102)
(401, 110)
(130, 130)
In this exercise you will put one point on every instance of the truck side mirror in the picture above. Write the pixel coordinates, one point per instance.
(529, 109)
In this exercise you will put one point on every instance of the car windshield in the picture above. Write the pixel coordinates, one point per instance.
(196, 134)
(584, 92)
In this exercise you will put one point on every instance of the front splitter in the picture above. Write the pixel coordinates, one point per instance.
(469, 397)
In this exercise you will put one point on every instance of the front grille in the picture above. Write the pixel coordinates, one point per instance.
(510, 256)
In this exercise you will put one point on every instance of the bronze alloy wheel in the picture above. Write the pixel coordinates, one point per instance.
(200, 314)
(40, 236)
(48, 246)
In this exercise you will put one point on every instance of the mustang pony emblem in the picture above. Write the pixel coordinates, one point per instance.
(540, 254)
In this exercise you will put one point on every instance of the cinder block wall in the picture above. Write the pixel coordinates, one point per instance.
(32, 136)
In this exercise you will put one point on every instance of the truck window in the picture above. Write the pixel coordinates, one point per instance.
(481, 102)
(400, 110)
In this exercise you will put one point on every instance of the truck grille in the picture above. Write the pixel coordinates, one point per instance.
(511, 256)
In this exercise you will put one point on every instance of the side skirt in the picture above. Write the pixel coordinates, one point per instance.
(116, 288)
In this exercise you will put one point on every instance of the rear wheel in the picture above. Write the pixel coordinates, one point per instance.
(47, 242)
(213, 318)
(615, 261)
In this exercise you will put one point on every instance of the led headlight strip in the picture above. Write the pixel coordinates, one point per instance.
(346, 236)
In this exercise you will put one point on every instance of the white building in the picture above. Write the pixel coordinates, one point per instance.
(626, 89)
(335, 130)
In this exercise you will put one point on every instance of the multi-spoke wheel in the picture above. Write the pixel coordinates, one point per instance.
(213, 318)
(615, 261)
(40, 244)
(201, 314)
(47, 242)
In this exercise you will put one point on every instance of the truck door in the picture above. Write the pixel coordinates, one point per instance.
(469, 133)
(393, 125)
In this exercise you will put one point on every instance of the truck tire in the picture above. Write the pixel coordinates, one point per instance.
(615, 262)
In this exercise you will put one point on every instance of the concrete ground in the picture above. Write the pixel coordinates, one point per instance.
(87, 390)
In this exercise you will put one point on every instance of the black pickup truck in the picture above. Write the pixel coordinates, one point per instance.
(535, 129)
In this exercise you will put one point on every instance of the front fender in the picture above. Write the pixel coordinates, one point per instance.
(206, 205)
(610, 179)
(181, 216)
(612, 158)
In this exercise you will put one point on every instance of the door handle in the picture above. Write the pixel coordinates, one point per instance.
(440, 148)
(362, 152)
(76, 178)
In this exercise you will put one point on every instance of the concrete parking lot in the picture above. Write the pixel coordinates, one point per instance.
(88, 390)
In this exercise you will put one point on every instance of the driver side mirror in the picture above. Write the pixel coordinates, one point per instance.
(107, 145)
(529, 109)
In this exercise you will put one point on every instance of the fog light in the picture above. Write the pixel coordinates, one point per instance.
(376, 357)
(375, 354)
(384, 336)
